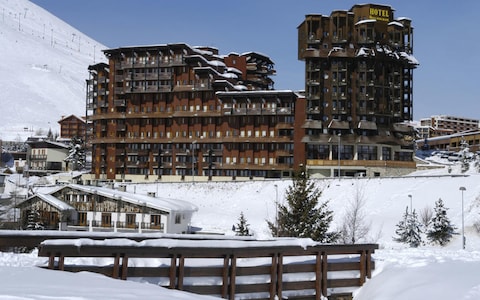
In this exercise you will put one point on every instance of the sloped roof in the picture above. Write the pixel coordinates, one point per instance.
(165, 204)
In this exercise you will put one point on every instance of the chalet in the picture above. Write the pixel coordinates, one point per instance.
(91, 208)
(72, 126)
(46, 157)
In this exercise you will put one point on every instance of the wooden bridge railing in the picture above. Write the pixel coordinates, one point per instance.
(293, 268)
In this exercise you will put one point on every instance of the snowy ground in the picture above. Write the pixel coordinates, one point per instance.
(428, 272)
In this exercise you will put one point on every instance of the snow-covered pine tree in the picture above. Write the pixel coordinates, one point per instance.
(401, 230)
(76, 154)
(34, 222)
(302, 216)
(409, 230)
(414, 231)
(440, 230)
(242, 228)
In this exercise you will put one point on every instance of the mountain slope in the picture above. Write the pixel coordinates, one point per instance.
(44, 68)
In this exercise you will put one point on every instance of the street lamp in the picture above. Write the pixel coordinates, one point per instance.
(411, 204)
(462, 188)
(193, 161)
(339, 153)
(276, 209)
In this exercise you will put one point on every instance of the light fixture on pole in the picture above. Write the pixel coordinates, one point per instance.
(276, 209)
(193, 161)
(411, 204)
(463, 189)
(339, 154)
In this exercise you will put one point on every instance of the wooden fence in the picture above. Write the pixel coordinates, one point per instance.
(228, 269)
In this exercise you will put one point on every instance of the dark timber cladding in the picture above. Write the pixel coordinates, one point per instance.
(358, 90)
(158, 114)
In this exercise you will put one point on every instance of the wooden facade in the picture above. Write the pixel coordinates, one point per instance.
(72, 126)
(159, 110)
(88, 208)
(358, 87)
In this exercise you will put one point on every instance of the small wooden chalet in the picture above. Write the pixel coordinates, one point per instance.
(91, 208)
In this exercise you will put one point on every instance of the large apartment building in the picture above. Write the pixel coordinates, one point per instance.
(445, 125)
(183, 111)
(359, 91)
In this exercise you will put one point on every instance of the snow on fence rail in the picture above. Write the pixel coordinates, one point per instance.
(232, 269)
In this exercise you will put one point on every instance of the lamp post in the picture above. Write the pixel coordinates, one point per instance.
(411, 204)
(339, 154)
(193, 161)
(276, 209)
(462, 188)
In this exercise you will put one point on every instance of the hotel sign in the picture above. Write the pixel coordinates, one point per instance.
(379, 14)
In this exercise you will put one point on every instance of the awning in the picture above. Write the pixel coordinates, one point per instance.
(335, 124)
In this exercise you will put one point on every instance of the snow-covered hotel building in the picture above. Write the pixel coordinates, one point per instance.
(358, 91)
(176, 111)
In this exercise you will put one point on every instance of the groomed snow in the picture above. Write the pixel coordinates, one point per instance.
(429, 272)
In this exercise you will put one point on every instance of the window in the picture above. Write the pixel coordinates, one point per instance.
(131, 220)
(106, 220)
(178, 219)
(82, 218)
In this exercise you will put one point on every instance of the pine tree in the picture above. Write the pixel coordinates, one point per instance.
(414, 231)
(409, 230)
(401, 230)
(34, 222)
(440, 230)
(242, 228)
(76, 155)
(302, 215)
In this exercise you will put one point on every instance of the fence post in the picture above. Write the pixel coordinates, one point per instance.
(181, 272)
(324, 273)
(225, 276)
(173, 271)
(318, 276)
(362, 267)
(277, 277)
(124, 267)
(233, 272)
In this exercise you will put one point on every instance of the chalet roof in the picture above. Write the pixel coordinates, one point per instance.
(46, 144)
(52, 200)
(81, 119)
(165, 204)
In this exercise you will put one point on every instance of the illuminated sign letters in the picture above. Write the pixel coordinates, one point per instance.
(379, 14)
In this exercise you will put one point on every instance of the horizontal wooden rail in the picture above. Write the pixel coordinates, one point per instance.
(33, 238)
(229, 269)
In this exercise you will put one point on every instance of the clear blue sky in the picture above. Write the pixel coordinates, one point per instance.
(446, 37)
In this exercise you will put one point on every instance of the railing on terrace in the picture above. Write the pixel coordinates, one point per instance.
(292, 268)
(362, 163)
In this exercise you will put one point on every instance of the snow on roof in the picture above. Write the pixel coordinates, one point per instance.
(411, 59)
(365, 21)
(395, 24)
(233, 70)
(224, 75)
(54, 202)
(165, 204)
(216, 63)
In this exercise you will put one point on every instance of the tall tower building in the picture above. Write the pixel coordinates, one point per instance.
(359, 91)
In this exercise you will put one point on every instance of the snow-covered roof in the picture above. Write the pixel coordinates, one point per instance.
(410, 58)
(164, 204)
(365, 21)
(54, 202)
(395, 24)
